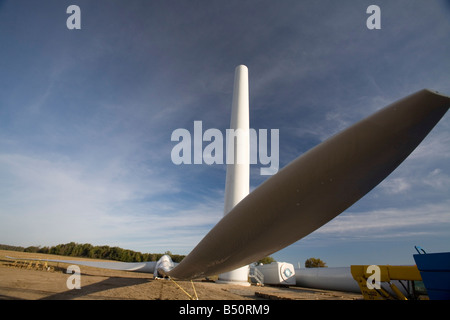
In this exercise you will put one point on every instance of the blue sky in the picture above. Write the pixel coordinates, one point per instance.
(86, 117)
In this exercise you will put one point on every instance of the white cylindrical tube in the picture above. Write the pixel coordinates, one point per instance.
(238, 143)
(237, 185)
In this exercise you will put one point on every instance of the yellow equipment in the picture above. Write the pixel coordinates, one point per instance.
(365, 276)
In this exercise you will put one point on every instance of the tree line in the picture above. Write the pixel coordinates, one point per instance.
(87, 250)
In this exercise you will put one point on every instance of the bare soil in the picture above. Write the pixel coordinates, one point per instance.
(25, 281)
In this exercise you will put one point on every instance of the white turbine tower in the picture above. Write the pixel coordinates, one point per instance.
(237, 183)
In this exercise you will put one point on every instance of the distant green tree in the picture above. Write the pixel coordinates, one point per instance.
(315, 263)
(266, 260)
(70, 249)
(44, 250)
(32, 249)
(177, 258)
(86, 248)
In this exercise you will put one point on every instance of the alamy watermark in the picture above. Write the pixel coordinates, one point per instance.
(189, 149)
(373, 281)
(74, 281)
(74, 20)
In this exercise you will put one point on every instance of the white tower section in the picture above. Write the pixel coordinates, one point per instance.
(237, 183)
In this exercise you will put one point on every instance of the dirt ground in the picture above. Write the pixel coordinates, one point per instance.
(20, 281)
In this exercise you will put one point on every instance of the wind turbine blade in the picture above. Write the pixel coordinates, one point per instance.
(123, 266)
(316, 187)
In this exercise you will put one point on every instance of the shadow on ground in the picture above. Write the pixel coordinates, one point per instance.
(92, 289)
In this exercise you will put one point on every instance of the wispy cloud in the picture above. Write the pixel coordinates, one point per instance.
(389, 223)
(68, 202)
(438, 180)
(395, 185)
